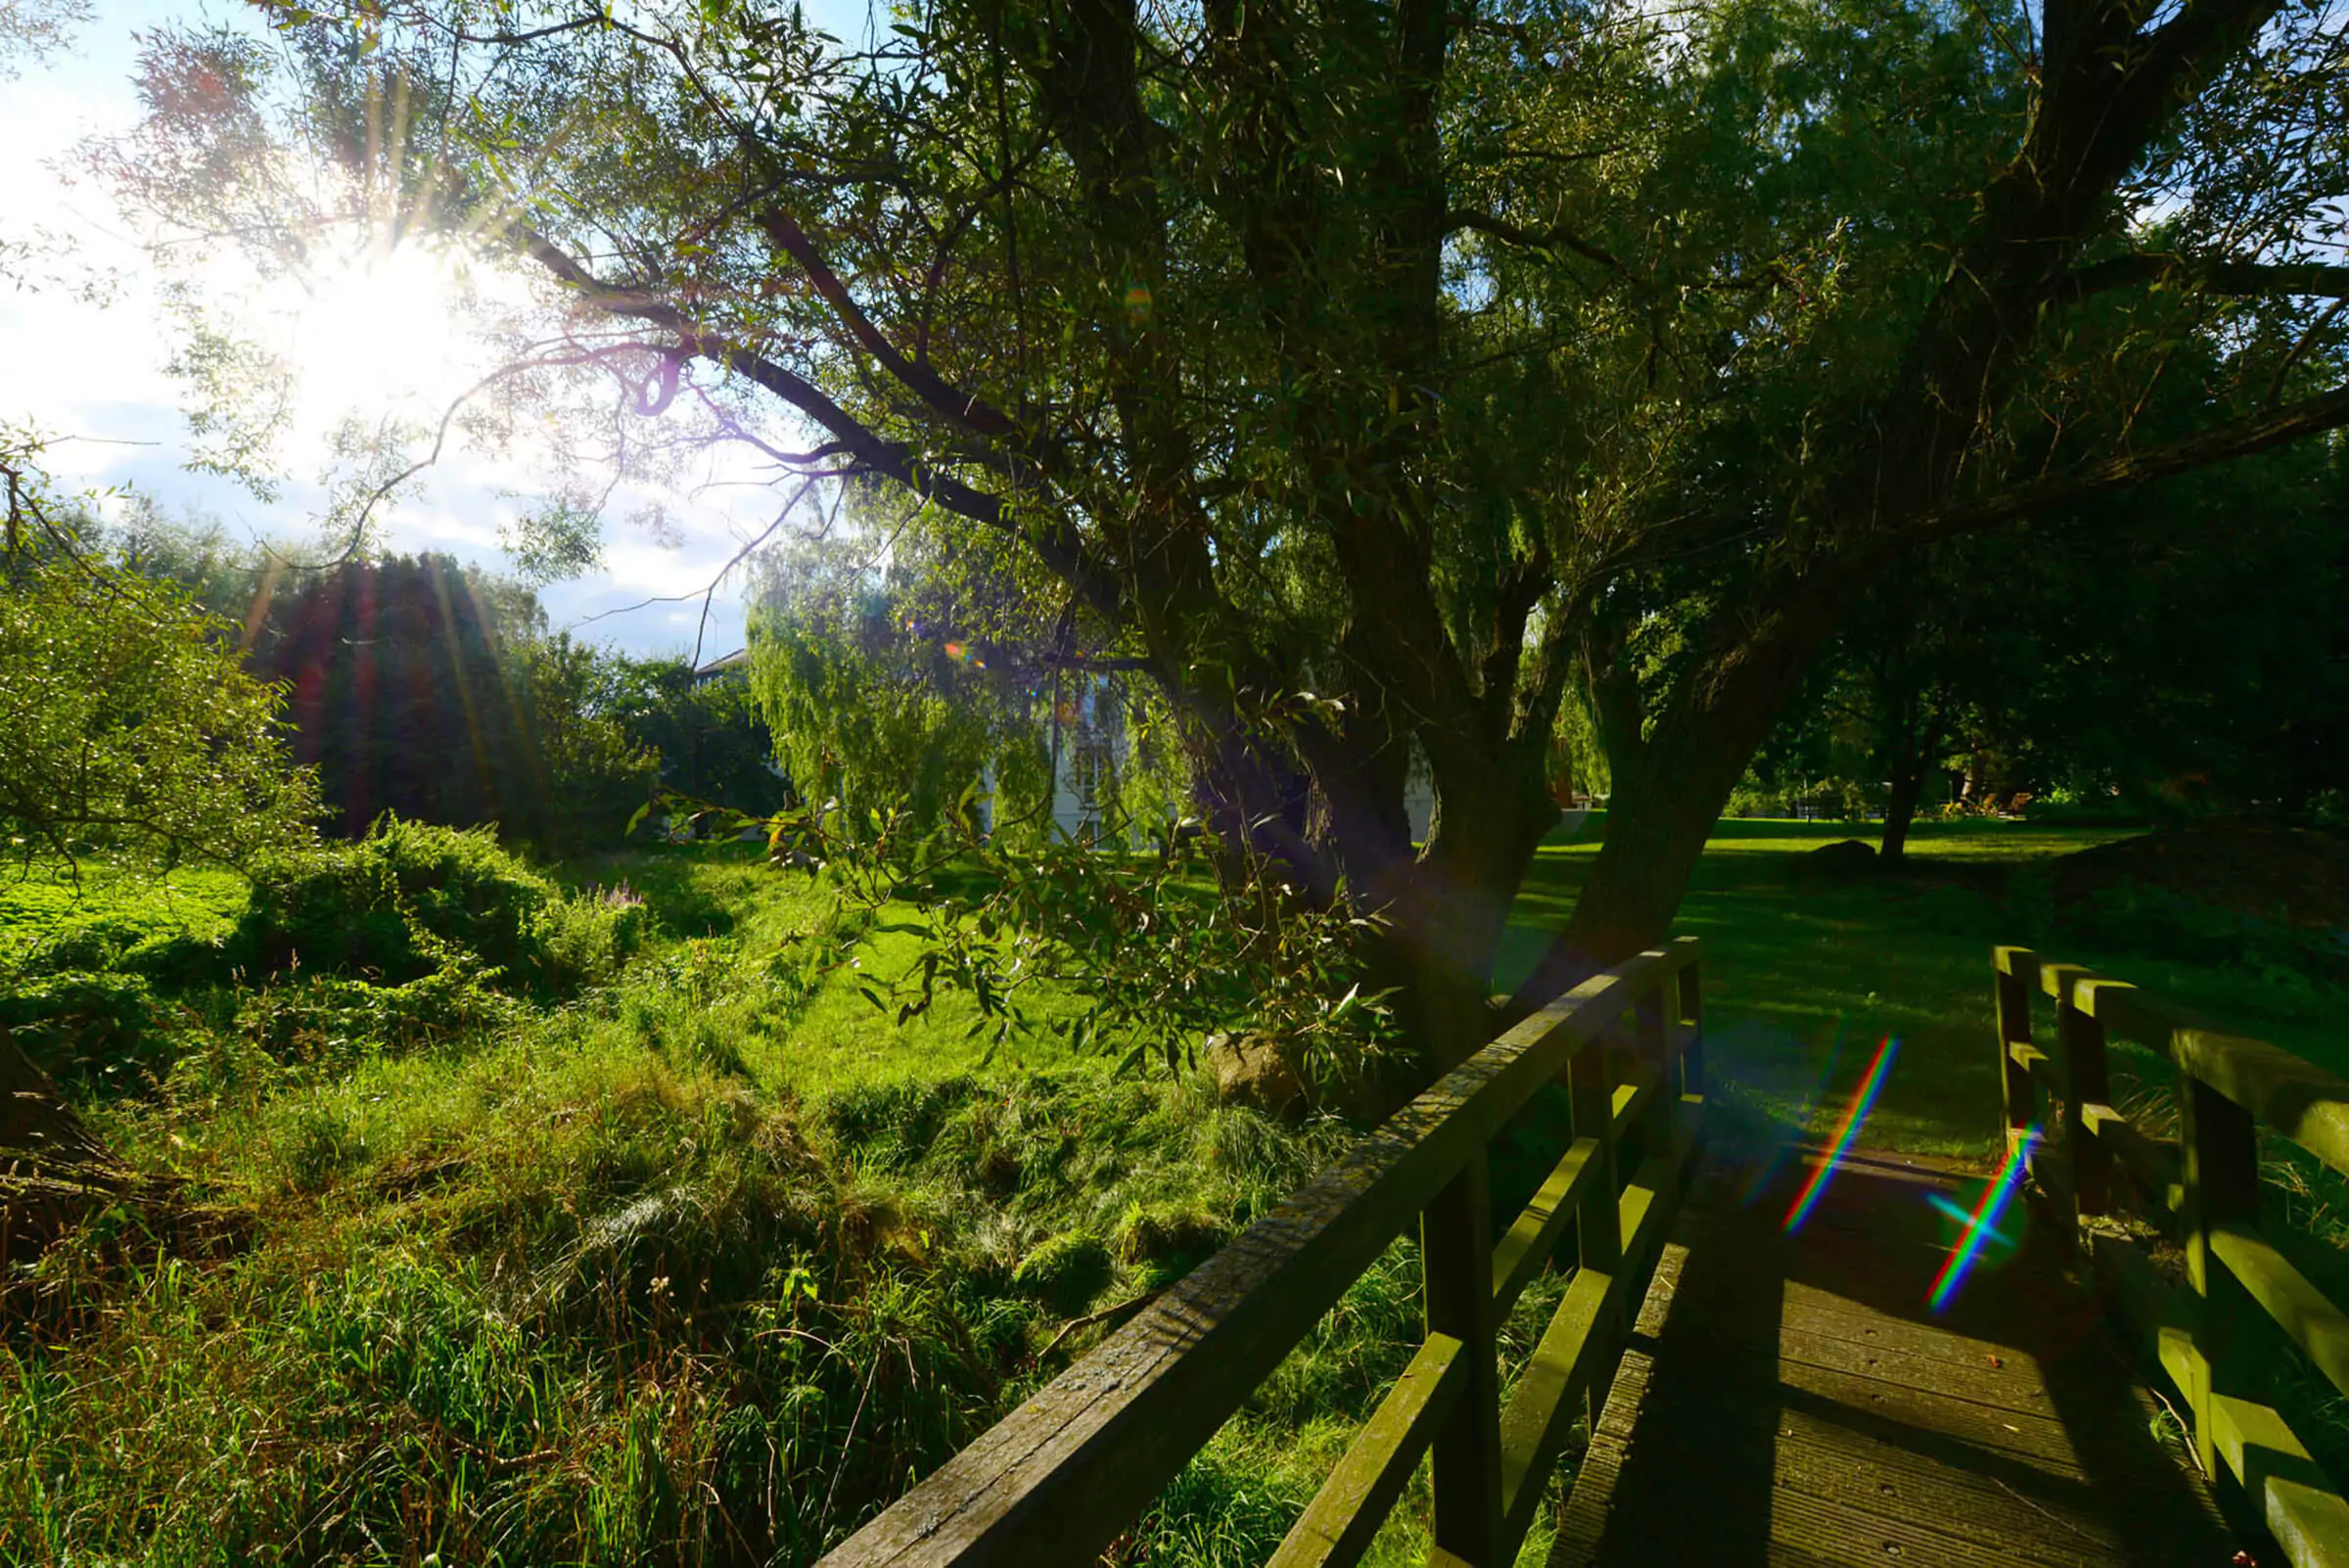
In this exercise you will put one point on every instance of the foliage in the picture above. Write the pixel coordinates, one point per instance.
(581, 1285)
(707, 735)
(125, 719)
(592, 769)
(406, 691)
(1335, 368)
(393, 907)
(879, 694)
(569, 1288)
(2182, 654)
(1165, 948)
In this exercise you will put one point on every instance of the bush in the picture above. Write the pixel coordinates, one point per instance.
(390, 907)
(87, 1028)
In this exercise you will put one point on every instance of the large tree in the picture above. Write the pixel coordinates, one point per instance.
(1383, 374)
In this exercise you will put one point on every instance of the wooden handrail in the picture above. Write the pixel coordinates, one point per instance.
(2216, 1338)
(1067, 1472)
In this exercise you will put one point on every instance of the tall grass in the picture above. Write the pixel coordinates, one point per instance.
(615, 1279)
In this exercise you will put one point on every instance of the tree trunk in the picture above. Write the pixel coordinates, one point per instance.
(1900, 811)
(1910, 766)
(1672, 774)
(1656, 825)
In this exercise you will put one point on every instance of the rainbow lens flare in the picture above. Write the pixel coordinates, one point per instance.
(1965, 1216)
(1979, 1223)
(1864, 1100)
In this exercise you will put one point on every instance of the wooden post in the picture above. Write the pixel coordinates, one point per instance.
(1692, 1014)
(1599, 1225)
(1455, 1242)
(1653, 1045)
(2080, 1036)
(2222, 1189)
(2020, 1095)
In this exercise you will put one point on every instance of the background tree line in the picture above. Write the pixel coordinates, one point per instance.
(413, 685)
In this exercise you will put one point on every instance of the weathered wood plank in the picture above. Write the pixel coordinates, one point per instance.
(2304, 1313)
(2011, 997)
(1061, 1476)
(1780, 1384)
(2086, 1081)
(1574, 1350)
(1522, 1254)
(1688, 1039)
(2297, 1097)
(1584, 1338)
(1456, 1250)
(2298, 1503)
(1634, 1095)
(1338, 1526)
(2154, 1165)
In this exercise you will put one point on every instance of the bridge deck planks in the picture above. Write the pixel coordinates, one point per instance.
(1793, 1401)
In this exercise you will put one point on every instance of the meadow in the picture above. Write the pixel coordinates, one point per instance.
(693, 1254)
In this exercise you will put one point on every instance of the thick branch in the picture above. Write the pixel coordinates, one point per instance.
(966, 410)
(2230, 277)
(1557, 237)
(1057, 542)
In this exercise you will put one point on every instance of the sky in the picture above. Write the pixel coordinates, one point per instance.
(373, 340)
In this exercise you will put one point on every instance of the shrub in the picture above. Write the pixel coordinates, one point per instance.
(325, 1022)
(387, 905)
(583, 941)
(84, 1026)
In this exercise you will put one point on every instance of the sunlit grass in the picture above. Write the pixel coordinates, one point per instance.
(109, 905)
(1804, 975)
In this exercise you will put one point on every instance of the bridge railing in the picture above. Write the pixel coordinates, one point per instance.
(2215, 1336)
(1064, 1474)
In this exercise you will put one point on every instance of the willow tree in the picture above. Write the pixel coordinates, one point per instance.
(1385, 375)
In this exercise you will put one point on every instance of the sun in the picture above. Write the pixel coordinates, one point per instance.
(383, 332)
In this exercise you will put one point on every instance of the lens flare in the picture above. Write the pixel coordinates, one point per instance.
(1979, 1223)
(1965, 1216)
(1864, 1100)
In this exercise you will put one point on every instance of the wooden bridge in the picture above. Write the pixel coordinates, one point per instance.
(1735, 1389)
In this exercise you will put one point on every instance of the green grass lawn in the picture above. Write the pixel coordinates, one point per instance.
(1805, 975)
(110, 904)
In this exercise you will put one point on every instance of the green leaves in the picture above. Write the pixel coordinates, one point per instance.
(127, 717)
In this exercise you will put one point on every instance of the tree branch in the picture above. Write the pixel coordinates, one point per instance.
(1557, 237)
(2228, 277)
(2238, 438)
(965, 410)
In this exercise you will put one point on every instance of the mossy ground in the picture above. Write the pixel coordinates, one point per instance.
(705, 1263)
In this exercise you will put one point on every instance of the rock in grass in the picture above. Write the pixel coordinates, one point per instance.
(1252, 1070)
(1845, 858)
